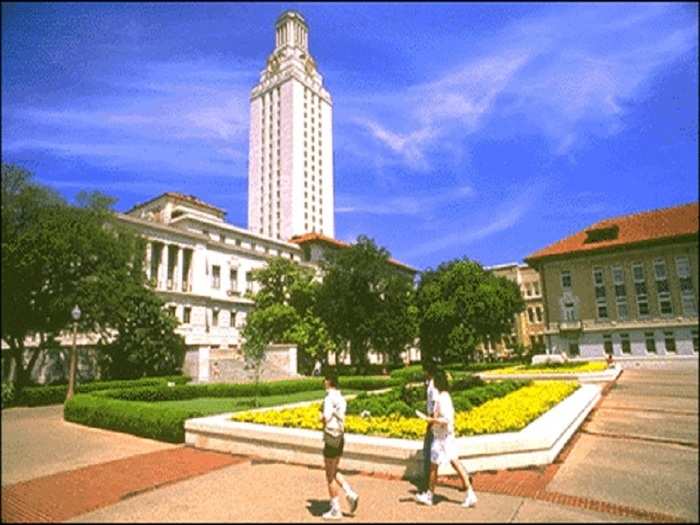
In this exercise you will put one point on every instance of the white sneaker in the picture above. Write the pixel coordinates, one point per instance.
(471, 499)
(333, 514)
(353, 500)
(425, 498)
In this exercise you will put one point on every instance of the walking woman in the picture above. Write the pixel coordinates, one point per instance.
(444, 447)
(333, 417)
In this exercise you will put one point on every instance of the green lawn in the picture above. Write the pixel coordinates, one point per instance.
(219, 405)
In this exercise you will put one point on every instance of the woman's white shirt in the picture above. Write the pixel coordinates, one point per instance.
(334, 406)
(445, 411)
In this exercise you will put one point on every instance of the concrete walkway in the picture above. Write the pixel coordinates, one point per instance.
(635, 459)
(37, 442)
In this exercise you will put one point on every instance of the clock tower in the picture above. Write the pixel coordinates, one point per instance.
(290, 161)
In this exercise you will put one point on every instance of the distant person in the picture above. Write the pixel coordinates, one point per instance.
(216, 371)
(444, 447)
(333, 417)
(431, 395)
(317, 369)
(609, 359)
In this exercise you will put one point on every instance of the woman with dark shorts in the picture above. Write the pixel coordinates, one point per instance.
(333, 417)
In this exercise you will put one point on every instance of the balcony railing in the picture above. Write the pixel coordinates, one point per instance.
(570, 326)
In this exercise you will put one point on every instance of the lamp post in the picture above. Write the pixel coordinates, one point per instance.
(75, 313)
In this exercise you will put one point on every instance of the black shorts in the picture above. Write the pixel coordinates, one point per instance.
(333, 452)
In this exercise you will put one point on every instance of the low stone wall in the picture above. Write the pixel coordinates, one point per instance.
(537, 444)
(227, 365)
(610, 374)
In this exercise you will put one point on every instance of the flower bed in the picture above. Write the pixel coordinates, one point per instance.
(553, 368)
(511, 412)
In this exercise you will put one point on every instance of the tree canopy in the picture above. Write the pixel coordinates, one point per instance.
(461, 305)
(366, 302)
(55, 256)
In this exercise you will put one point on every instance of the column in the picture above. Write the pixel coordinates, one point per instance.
(149, 254)
(164, 266)
(177, 273)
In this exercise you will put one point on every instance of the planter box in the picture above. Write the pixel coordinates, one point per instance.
(609, 374)
(537, 444)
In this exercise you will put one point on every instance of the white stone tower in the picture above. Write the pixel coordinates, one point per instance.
(290, 162)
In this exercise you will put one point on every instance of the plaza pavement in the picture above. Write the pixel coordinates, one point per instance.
(635, 459)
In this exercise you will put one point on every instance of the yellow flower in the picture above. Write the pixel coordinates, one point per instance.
(506, 414)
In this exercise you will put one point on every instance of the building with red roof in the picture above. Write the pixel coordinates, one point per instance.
(625, 286)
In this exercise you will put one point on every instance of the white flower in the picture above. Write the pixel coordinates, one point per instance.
(365, 413)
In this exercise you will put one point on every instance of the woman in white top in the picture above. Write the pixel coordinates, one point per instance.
(333, 417)
(444, 447)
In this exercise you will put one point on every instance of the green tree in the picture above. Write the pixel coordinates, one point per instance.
(55, 256)
(284, 313)
(367, 302)
(461, 305)
(146, 344)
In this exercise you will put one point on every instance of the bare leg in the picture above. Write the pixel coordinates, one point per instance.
(457, 465)
(433, 477)
(331, 472)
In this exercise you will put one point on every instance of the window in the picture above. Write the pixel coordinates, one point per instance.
(663, 293)
(640, 289)
(569, 310)
(618, 275)
(249, 281)
(566, 279)
(531, 315)
(600, 300)
(536, 288)
(222, 238)
(172, 310)
(232, 319)
(233, 279)
(215, 276)
(694, 334)
(538, 314)
(686, 286)
(608, 344)
(650, 342)
(670, 342)
(528, 290)
(215, 317)
(574, 349)
(625, 342)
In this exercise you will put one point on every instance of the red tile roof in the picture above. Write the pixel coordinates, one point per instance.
(654, 225)
(319, 237)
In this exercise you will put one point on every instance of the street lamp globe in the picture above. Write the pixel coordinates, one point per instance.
(76, 313)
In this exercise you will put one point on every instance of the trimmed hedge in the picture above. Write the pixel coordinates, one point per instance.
(137, 418)
(286, 386)
(132, 410)
(35, 396)
(415, 374)
(466, 394)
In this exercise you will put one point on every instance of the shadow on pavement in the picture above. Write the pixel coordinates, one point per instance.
(317, 507)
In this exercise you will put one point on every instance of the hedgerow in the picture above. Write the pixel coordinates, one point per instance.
(135, 411)
(34, 396)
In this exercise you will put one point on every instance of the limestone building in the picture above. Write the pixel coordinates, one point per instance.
(290, 163)
(528, 326)
(625, 286)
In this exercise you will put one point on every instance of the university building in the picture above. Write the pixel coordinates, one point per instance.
(528, 326)
(625, 286)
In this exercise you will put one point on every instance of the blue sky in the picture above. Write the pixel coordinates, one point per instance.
(479, 130)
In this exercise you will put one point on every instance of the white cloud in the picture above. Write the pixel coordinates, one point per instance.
(570, 74)
(402, 205)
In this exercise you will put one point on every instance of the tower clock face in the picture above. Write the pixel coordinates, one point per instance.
(273, 64)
